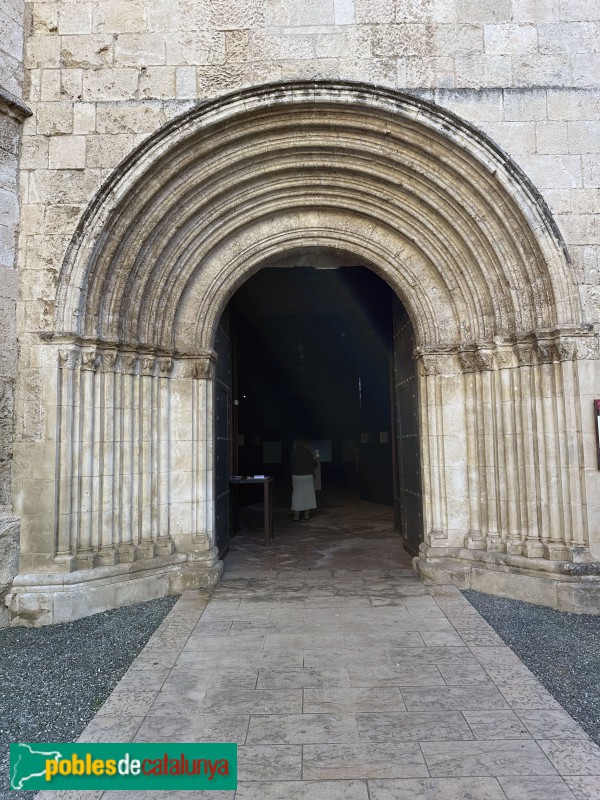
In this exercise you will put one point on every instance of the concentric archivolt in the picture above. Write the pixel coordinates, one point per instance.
(406, 188)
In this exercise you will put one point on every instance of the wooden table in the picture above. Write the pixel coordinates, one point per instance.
(268, 500)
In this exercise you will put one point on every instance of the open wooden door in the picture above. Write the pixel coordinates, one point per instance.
(408, 495)
(223, 434)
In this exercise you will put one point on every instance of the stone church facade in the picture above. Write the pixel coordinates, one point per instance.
(157, 153)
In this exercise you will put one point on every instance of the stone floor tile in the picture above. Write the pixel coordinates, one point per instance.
(495, 656)
(123, 702)
(273, 659)
(302, 729)
(444, 590)
(411, 589)
(573, 756)
(350, 700)
(538, 788)
(412, 726)
(486, 758)
(149, 680)
(184, 681)
(364, 760)
(527, 695)
(442, 638)
(347, 658)
(302, 677)
(436, 789)
(174, 703)
(428, 675)
(454, 698)
(217, 628)
(508, 673)
(496, 725)
(418, 657)
(337, 601)
(280, 762)
(476, 639)
(252, 701)
(302, 790)
(204, 728)
(111, 729)
(386, 601)
(584, 787)
(463, 674)
(553, 724)
(223, 644)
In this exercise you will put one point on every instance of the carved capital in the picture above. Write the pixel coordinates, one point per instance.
(504, 356)
(147, 365)
(524, 353)
(107, 360)
(165, 366)
(565, 349)
(69, 358)
(468, 360)
(484, 359)
(544, 351)
(129, 363)
(204, 368)
(89, 359)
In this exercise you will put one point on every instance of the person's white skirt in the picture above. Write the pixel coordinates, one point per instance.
(303, 493)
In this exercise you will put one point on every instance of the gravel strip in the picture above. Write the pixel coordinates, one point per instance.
(54, 679)
(561, 649)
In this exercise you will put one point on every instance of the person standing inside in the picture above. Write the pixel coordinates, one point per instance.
(303, 465)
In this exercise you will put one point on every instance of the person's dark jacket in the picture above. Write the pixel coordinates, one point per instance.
(302, 462)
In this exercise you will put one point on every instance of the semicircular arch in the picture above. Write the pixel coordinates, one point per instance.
(428, 202)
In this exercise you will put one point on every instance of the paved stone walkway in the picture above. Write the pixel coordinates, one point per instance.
(342, 677)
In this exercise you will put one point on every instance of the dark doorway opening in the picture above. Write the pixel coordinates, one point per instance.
(314, 352)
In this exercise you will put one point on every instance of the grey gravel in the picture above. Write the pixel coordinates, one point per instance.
(561, 649)
(54, 679)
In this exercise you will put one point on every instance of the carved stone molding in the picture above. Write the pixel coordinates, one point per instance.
(545, 352)
(165, 366)
(203, 367)
(129, 362)
(505, 357)
(484, 358)
(107, 360)
(524, 353)
(89, 360)
(69, 358)
(147, 365)
(436, 363)
(468, 359)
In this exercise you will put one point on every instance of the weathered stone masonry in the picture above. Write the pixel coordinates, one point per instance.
(491, 244)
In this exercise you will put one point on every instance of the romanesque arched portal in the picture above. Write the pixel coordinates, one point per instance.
(400, 185)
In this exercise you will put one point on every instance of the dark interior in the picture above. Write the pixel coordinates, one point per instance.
(311, 357)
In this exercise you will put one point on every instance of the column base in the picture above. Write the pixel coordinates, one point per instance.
(474, 540)
(556, 552)
(127, 553)
(86, 559)
(534, 549)
(37, 599)
(165, 546)
(557, 584)
(107, 556)
(146, 549)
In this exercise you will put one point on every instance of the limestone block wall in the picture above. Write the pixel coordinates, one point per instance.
(103, 75)
(12, 112)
